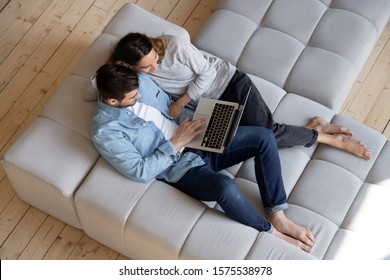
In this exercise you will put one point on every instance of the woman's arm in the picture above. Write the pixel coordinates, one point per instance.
(203, 70)
(195, 67)
(177, 107)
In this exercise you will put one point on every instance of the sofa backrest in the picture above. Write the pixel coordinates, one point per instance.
(311, 48)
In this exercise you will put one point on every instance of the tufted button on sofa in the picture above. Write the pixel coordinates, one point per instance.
(303, 56)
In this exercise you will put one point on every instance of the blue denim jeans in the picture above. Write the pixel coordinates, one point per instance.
(257, 113)
(205, 183)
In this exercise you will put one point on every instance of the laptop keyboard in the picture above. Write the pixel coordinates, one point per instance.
(218, 125)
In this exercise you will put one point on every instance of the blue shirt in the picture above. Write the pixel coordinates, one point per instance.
(136, 148)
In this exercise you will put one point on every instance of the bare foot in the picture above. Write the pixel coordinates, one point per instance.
(292, 241)
(287, 227)
(353, 146)
(345, 143)
(321, 125)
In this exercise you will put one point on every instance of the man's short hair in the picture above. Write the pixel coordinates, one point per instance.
(114, 81)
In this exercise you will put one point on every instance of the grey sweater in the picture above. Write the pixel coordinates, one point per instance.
(186, 69)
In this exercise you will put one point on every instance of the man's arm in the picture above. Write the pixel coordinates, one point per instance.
(122, 153)
(124, 157)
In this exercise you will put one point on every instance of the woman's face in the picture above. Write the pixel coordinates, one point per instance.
(148, 64)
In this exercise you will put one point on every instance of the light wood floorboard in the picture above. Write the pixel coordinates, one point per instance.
(40, 43)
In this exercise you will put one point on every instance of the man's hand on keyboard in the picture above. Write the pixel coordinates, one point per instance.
(187, 131)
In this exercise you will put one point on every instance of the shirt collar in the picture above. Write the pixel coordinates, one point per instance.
(111, 110)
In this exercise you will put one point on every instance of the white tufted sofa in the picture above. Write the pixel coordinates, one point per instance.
(304, 56)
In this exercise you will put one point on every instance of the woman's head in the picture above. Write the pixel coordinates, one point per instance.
(139, 52)
(117, 85)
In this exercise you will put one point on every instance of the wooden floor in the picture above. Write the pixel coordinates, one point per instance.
(35, 57)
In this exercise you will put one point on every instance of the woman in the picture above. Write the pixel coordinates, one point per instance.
(187, 74)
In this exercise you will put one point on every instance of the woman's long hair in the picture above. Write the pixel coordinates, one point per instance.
(134, 46)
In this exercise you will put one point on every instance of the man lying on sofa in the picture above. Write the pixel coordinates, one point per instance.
(133, 131)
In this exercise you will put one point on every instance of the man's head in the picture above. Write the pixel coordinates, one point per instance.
(117, 85)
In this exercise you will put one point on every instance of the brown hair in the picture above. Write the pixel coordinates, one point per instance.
(115, 81)
(134, 46)
(160, 46)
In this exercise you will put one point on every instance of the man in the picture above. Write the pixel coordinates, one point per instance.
(133, 131)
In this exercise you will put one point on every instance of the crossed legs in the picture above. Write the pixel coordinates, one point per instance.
(339, 137)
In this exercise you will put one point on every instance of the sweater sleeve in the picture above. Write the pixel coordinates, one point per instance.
(204, 71)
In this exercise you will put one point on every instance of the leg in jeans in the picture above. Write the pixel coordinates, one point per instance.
(318, 130)
(247, 143)
(257, 142)
(257, 113)
(205, 183)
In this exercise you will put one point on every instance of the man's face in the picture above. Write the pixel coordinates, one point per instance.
(129, 100)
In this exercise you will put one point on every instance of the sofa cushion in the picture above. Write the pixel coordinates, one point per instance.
(159, 232)
(68, 108)
(271, 55)
(374, 11)
(321, 76)
(104, 203)
(46, 174)
(306, 47)
(215, 236)
(379, 173)
(96, 55)
(268, 247)
(350, 246)
(119, 25)
(306, 15)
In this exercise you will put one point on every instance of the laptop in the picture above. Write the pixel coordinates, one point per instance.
(222, 121)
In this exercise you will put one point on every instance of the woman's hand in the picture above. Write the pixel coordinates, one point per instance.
(176, 108)
(187, 131)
